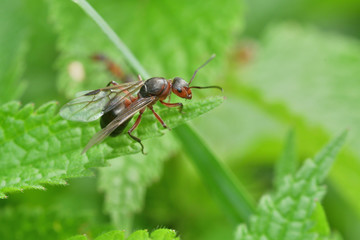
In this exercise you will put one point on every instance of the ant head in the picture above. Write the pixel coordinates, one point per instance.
(181, 88)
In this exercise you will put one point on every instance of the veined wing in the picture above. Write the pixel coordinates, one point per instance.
(90, 105)
(121, 118)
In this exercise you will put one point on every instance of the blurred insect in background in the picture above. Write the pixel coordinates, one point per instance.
(116, 104)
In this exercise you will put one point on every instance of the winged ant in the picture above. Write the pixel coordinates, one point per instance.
(116, 104)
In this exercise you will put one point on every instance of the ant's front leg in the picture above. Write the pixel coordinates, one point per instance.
(180, 105)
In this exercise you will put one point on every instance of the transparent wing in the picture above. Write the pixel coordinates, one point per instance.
(121, 118)
(90, 105)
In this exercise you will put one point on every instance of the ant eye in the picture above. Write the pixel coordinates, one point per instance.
(179, 90)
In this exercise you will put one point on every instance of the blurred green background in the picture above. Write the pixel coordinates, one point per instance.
(283, 65)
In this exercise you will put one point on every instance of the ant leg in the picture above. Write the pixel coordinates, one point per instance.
(180, 105)
(158, 117)
(169, 98)
(137, 122)
(111, 66)
(139, 77)
(113, 83)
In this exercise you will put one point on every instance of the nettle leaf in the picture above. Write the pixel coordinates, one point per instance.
(159, 234)
(13, 46)
(321, 225)
(40, 147)
(150, 127)
(170, 38)
(126, 180)
(288, 213)
(319, 85)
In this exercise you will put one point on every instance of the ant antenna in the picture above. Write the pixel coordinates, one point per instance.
(207, 61)
(220, 88)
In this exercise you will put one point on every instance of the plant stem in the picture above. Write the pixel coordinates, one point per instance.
(129, 56)
(231, 195)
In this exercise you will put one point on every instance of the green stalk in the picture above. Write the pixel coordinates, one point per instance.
(230, 194)
(109, 32)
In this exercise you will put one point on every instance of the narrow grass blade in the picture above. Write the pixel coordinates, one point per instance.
(109, 32)
(222, 183)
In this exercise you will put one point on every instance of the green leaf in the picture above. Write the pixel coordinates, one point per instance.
(164, 234)
(159, 234)
(321, 224)
(78, 237)
(287, 163)
(113, 235)
(13, 46)
(150, 127)
(318, 87)
(126, 180)
(196, 29)
(39, 147)
(287, 214)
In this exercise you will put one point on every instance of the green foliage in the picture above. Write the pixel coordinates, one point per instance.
(243, 129)
(12, 56)
(25, 222)
(39, 72)
(229, 193)
(330, 14)
(321, 225)
(309, 85)
(39, 147)
(293, 77)
(57, 213)
(287, 163)
(287, 214)
(125, 181)
(159, 234)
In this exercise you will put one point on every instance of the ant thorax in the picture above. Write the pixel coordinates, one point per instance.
(153, 87)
